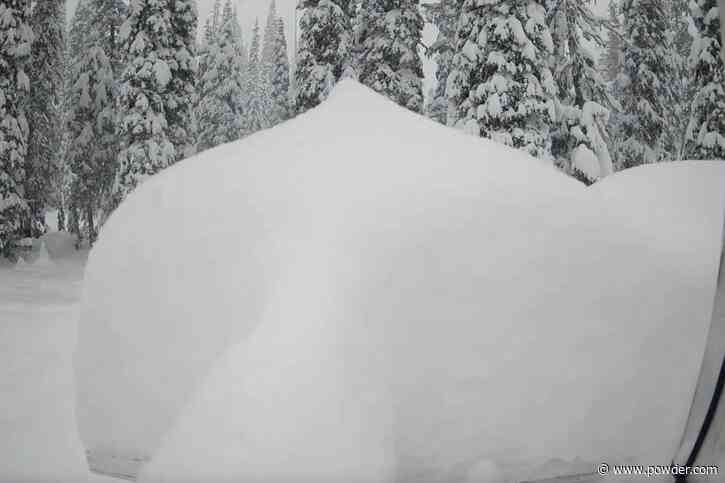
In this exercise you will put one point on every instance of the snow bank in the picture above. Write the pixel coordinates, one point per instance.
(38, 432)
(363, 295)
(471, 340)
(187, 266)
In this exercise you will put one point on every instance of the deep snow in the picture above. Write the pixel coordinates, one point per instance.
(363, 295)
(198, 251)
(38, 320)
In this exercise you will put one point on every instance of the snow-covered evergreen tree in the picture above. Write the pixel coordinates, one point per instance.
(62, 186)
(240, 40)
(612, 60)
(444, 15)
(92, 152)
(258, 107)
(211, 26)
(275, 67)
(16, 37)
(179, 96)
(612, 66)
(220, 109)
(148, 45)
(680, 80)
(389, 32)
(270, 35)
(500, 85)
(706, 130)
(44, 110)
(279, 76)
(646, 91)
(209, 34)
(583, 102)
(323, 51)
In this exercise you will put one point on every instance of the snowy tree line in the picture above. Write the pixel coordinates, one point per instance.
(530, 74)
(130, 88)
(91, 109)
(592, 95)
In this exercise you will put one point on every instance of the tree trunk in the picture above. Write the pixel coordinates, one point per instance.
(91, 225)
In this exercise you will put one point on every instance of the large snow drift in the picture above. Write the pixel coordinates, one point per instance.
(363, 295)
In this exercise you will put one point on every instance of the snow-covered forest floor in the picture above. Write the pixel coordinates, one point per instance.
(39, 314)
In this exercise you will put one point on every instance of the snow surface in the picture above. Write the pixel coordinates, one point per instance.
(361, 294)
(38, 317)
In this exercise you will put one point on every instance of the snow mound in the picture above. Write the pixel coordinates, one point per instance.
(361, 294)
(197, 252)
(423, 349)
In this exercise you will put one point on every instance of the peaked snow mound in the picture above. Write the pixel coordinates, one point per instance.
(361, 294)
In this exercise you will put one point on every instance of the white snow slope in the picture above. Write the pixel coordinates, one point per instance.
(38, 317)
(363, 295)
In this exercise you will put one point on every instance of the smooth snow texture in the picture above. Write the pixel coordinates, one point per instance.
(361, 294)
(38, 319)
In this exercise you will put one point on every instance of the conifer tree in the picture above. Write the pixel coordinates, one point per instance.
(62, 185)
(612, 61)
(706, 130)
(279, 76)
(16, 37)
(275, 67)
(500, 85)
(583, 102)
(646, 90)
(243, 65)
(220, 83)
(680, 79)
(211, 25)
(444, 15)
(148, 45)
(216, 16)
(258, 108)
(92, 151)
(324, 49)
(389, 32)
(270, 35)
(612, 66)
(44, 110)
(240, 40)
(179, 96)
(209, 35)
